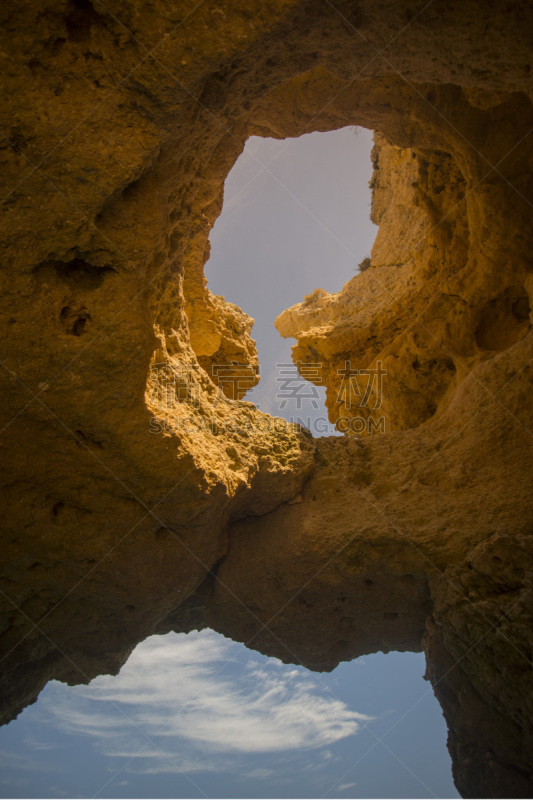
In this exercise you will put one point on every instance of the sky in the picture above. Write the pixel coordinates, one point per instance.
(197, 715)
(296, 218)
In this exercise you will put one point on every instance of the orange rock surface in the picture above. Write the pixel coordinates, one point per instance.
(140, 494)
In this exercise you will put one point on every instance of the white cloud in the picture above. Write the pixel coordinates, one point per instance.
(193, 695)
(35, 744)
(258, 774)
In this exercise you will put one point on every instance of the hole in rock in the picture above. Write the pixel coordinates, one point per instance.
(224, 721)
(81, 15)
(504, 320)
(57, 508)
(78, 273)
(75, 320)
(296, 219)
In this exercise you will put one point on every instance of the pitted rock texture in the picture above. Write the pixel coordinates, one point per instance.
(434, 302)
(140, 494)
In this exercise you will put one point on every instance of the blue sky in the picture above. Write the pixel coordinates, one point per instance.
(296, 218)
(198, 715)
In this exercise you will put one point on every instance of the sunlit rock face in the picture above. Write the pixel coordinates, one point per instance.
(139, 494)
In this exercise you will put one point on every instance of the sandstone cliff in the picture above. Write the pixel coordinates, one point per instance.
(139, 494)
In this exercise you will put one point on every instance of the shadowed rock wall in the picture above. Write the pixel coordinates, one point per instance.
(139, 495)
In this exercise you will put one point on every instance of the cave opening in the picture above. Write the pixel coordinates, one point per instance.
(199, 715)
(295, 223)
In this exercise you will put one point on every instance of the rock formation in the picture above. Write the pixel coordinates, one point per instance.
(140, 494)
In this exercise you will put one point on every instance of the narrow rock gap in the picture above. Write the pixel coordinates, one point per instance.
(296, 218)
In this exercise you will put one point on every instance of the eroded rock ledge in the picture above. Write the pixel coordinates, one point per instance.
(139, 495)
